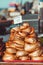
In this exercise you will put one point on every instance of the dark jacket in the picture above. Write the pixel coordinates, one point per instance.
(28, 6)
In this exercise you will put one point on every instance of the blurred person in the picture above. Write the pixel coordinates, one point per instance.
(41, 9)
(3, 18)
(41, 15)
(27, 6)
(35, 6)
(23, 11)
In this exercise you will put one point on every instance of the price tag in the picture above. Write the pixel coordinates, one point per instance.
(18, 19)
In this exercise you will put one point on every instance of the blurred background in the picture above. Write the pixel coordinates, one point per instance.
(27, 5)
(28, 9)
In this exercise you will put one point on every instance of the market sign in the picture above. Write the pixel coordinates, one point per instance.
(18, 19)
